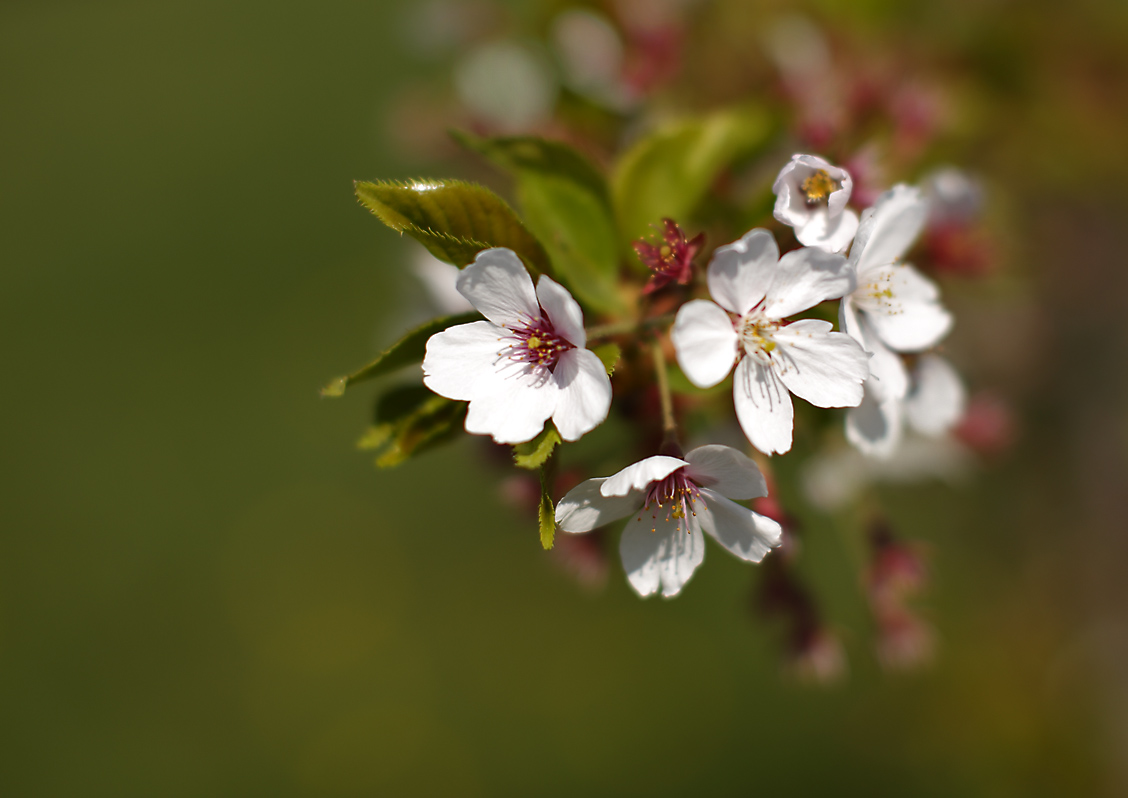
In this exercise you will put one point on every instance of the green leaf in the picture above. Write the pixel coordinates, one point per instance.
(533, 454)
(669, 172)
(609, 355)
(565, 202)
(407, 350)
(410, 420)
(546, 515)
(453, 219)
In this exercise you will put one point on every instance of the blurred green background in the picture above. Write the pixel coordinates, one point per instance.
(206, 591)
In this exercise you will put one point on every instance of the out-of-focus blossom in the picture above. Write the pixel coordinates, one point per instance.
(955, 242)
(988, 427)
(831, 480)
(672, 259)
(812, 652)
(679, 499)
(773, 358)
(811, 196)
(917, 110)
(802, 56)
(590, 52)
(933, 404)
(865, 167)
(439, 279)
(904, 641)
(524, 365)
(506, 84)
(954, 196)
(435, 27)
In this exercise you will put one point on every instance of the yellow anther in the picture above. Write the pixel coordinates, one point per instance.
(818, 187)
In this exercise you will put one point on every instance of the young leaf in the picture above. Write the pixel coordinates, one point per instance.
(410, 420)
(407, 350)
(565, 203)
(535, 453)
(453, 219)
(609, 355)
(546, 515)
(669, 172)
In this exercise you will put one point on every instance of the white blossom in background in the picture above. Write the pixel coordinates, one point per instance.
(934, 402)
(526, 363)
(833, 479)
(894, 309)
(675, 500)
(441, 281)
(954, 196)
(507, 84)
(811, 196)
(773, 358)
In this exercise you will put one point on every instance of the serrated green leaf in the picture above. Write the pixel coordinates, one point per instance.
(409, 420)
(669, 172)
(546, 515)
(609, 355)
(533, 454)
(454, 220)
(565, 202)
(407, 350)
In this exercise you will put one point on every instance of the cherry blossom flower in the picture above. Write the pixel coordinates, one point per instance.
(935, 400)
(893, 309)
(675, 500)
(811, 196)
(526, 363)
(772, 356)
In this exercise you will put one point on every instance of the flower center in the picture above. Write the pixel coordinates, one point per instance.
(818, 186)
(677, 495)
(536, 342)
(877, 295)
(757, 333)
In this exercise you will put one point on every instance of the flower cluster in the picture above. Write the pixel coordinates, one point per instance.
(526, 364)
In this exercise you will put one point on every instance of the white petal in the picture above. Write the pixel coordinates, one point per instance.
(739, 273)
(516, 412)
(746, 534)
(804, 278)
(658, 555)
(887, 370)
(584, 508)
(726, 471)
(909, 319)
(888, 229)
(763, 407)
(825, 368)
(462, 361)
(585, 393)
(638, 475)
(705, 342)
(938, 398)
(829, 233)
(874, 426)
(562, 310)
(497, 284)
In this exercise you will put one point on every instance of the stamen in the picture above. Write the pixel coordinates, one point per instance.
(678, 495)
(818, 187)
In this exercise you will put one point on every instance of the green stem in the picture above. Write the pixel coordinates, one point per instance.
(669, 422)
(623, 327)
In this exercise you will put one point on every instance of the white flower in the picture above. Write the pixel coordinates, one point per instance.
(893, 309)
(748, 279)
(811, 196)
(934, 402)
(675, 500)
(524, 365)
